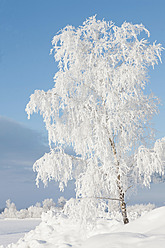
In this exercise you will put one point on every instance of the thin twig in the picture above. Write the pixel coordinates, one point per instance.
(104, 198)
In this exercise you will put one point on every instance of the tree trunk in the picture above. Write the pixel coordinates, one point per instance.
(118, 181)
(122, 202)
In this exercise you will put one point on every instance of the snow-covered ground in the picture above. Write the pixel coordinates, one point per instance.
(11, 230)
(61, 232)
(146, 232)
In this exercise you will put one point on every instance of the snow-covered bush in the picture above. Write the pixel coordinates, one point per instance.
(34, 212)
(99, 210)
(138, 210)
(31, 212)
(10, 211)
(75, 209)
(48, 204)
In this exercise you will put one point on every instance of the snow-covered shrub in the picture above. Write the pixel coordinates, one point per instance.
(78, 210)
(32, 212)
(134, 211)
(138, 210)
(10, 211)
(48, 204)
(22, 214)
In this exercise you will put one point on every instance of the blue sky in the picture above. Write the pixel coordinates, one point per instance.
(26, 31)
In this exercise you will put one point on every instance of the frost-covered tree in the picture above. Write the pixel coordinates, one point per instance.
(98, 106)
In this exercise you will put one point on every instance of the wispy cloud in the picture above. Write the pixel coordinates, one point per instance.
(19, 145)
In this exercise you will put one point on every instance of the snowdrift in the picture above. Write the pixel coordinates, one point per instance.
(58, 231)
(147, 231)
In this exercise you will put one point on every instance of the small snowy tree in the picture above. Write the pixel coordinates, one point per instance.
(98, 107)
(10, 211)
(48, 204)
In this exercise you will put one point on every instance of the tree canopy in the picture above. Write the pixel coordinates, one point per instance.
(98, 106)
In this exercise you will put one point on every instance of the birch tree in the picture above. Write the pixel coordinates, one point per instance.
(98, 106)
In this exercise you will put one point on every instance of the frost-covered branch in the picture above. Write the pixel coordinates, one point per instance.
(151, 161)
(98, 106)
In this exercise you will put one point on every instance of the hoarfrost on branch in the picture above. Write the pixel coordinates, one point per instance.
(98, 107)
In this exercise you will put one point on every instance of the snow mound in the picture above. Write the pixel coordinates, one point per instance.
(147, 231)
(53, 232)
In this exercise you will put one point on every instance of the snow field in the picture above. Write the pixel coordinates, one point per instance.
(58, 231)
(11, 230)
